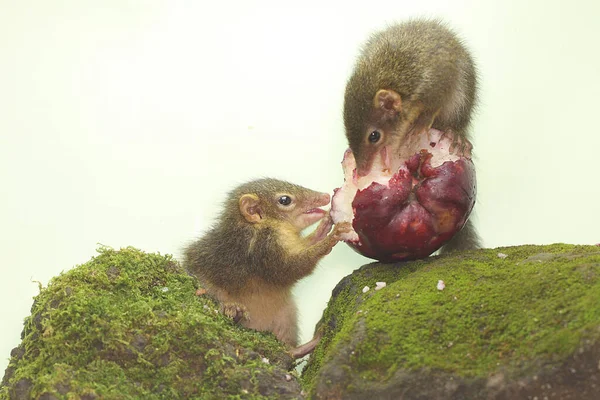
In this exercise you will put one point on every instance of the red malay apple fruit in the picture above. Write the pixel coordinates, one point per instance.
(409, 204)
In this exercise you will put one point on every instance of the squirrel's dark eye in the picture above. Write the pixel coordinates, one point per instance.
(374, 136)
(285, 200)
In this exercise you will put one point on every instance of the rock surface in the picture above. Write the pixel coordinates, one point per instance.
(510, 323)
(129, 325)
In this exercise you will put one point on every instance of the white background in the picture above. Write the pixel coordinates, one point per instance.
(125, 122)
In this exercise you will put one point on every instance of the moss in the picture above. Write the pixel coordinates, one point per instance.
(517, 314)
(129, 325)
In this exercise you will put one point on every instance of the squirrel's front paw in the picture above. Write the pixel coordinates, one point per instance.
(235, 311)
(323, 229)
(460, 145)
(342, 228)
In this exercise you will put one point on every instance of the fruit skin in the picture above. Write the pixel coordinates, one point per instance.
(420, 210)
(411, 215)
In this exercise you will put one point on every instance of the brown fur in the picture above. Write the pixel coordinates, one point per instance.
(254, 254)
(425, 63)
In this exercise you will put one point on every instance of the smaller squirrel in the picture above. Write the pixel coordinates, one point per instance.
(255, 253)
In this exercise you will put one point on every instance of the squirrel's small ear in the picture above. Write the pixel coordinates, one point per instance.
(249, 207)
(388, 101)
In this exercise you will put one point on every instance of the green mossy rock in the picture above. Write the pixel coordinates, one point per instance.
(511, 323)
(129, 325)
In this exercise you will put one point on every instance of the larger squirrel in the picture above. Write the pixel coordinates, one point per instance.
(411, 77)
